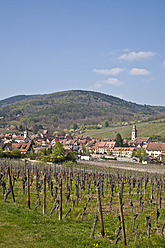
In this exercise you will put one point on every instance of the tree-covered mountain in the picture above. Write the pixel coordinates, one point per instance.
(60, 110)
(14, 99)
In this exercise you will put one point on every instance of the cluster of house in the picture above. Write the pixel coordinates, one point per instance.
(86, 147)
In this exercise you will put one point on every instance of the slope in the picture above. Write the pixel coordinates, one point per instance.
(61, 109)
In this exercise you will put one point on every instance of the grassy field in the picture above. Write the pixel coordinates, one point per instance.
(145, 129)
(20, 227)
(23, 227)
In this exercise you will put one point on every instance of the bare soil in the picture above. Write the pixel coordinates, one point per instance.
(145, 168)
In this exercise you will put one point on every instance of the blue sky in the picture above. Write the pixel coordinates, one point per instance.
(115, 47)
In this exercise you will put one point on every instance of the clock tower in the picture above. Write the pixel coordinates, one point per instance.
(134, 132)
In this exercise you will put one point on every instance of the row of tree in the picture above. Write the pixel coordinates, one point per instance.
(56, 154)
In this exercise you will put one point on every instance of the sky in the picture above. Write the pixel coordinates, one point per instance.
(116, 47)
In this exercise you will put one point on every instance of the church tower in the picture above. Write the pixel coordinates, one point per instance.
(26, 135)
(134, 132)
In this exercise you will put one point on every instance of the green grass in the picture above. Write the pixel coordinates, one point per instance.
(21, 227)
(145, 129)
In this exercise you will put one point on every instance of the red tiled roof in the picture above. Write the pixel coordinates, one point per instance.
(156, 146)
(124, 149)
(140, 140)
(22, 146)
(110, 144)
(101, 144)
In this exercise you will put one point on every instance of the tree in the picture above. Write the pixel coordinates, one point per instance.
(1, 152)
(75, 126)
(36, 128)
(84, 149)
(119, 140)
(62, 132)
(138, 153)
(58, 150)
(32, 142)
(133, 154)
(70, 156)
(141, 153)
(87, 152)
(20, 128)
(32, 151)
(16, 153)
(106, 124)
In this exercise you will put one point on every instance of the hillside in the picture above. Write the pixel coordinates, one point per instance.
(60, 110)
(154, 129)
(15, 99)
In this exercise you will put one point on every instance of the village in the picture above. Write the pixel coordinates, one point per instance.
(138, 149)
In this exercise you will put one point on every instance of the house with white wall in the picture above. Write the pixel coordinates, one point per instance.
(155, 149)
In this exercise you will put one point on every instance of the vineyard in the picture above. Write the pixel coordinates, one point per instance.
(119, 207)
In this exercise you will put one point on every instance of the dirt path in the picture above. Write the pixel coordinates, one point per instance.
(159, 169)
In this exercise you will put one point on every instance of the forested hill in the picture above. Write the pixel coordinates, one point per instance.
(14, 99)
(61, 109)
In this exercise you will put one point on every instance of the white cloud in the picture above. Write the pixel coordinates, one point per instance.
(97, 86)
(114, 71)
(148, 80)
(112, 81)
(164, 63)
(137, 71)
(136, 55)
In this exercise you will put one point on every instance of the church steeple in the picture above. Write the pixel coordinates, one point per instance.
(26, 135)
(134, 132)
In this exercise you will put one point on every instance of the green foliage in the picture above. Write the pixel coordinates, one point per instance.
(69, 164)
(119, 140)
(133, 154)
(92, 127)
(75, 126)
(1, 152)
(36, 128)
(54, 118)
(63, 108)
(20, 128)
(144, 153)
(16, 153)
(157, 138)
(106, 124)
(58, 150)
(62, 133)
(42, 151)
(70, 156)
(87, 152)
(32, 142)
(140, 153)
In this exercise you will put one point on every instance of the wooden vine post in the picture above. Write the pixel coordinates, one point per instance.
(28, 188)
(60, 207)
(10, 168)
(10, 183)
(100, 211)
(122, 219)
(44, 197)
